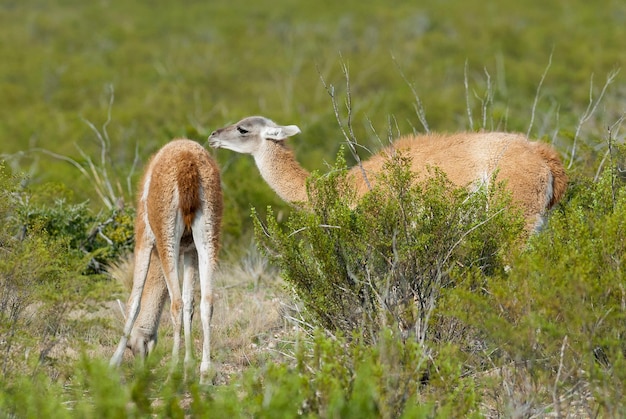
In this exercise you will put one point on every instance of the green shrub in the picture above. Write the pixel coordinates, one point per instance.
(539, 328)
(31, 397)
(41, 282)
(386, 261)
(95, 238)
(40, 285)
(558, 316)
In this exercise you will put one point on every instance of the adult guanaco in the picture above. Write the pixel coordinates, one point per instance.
(532, 170)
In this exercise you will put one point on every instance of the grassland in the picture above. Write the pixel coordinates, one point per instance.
(136, 74)
(183, 70)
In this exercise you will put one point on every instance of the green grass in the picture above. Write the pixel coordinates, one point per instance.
(184, 70)
(138, 74)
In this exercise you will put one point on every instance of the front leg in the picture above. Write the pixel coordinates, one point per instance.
(169, 255)
(144, 335)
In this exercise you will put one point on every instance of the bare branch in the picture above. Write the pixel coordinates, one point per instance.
(460, 240)
(534, 108)
(486, 100)
(591, 109)
(556, 127)
(346, 130)
(306, 228)
(613, 131)
(110, 192)
(80, 168)
(129, 177)
(418, 106)
(103, 185)
(102, 136)
(555, 396)
(467, 99)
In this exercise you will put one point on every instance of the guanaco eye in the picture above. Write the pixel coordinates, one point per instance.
(242, 130)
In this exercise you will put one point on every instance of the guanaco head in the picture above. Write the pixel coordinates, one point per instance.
(248, 135)
(141, 343)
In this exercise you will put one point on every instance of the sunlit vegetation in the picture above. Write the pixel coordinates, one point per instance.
(338, 311)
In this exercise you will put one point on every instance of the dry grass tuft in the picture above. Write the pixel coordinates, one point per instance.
(513, 392)
(247, 320)
(121, 270)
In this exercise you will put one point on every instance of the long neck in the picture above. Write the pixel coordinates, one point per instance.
(282, 172)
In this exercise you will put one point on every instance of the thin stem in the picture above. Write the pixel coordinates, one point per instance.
(591, 109)
(347, 130)
(418, 106)
(467, 98)
(534, 108)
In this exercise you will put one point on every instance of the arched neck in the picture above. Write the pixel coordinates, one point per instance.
(282, 172)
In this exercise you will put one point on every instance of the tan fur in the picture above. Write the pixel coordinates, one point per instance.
(529, 169)
(179, 203)
(558, 171)
(188, 181)
(532, 171)
(284, 170)
(144, 335)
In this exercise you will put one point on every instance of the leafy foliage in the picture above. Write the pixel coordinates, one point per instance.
(561, 308)
(549, 316)
(386, 261)
(541, 339)
(98, 239)
(40, 282)
(330, 378)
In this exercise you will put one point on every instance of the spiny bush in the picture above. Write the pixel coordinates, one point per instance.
(558, 317)
(41, 284)
(538, 325)
(101, 237)
(386, 261)
(332, 377)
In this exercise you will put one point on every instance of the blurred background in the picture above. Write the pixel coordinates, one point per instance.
(139, 73)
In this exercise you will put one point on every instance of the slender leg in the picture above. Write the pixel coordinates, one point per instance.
(206, 265)
(169, 255)
(191, 266)
(142, 262)
(144, 335)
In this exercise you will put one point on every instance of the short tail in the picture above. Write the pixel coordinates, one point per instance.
(559, 178)
(188, 190)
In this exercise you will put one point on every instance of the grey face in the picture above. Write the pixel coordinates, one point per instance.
(248, 135)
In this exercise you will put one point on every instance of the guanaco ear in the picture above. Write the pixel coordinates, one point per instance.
(279, 132)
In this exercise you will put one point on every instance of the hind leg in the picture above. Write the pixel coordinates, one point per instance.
(169, 256)
(190, 261)
(206, 252)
